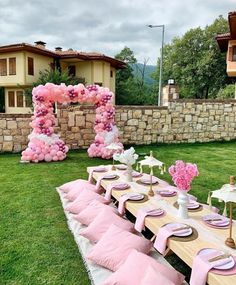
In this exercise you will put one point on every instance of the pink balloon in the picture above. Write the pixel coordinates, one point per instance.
(48, 158)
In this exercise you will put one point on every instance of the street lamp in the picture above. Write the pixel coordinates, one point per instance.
(161, 62)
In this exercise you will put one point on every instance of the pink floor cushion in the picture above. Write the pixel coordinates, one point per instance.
(135, 268)
(76, 189)
(94, 208)
(153, 277)
(114, 247)
(102, 222)
(84, 198)
(70, 185)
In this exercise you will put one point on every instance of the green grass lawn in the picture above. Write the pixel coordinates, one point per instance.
(36, 245)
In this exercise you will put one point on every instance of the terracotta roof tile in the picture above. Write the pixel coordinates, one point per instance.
(62, 54)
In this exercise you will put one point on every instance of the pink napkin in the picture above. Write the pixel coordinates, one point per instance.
(98, 184)
(90, 179)
(111, 186)
(97, 169)
(142, 213)
(162, 236)
(124, 198)
(201, 267)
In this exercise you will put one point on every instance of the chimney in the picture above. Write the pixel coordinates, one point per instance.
(58, 49)
(40, 44)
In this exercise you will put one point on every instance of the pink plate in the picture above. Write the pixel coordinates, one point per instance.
(136, 174)
(138, 197)
(110, 176)
(193, 205)
(216, 224)
(121, 186)
(167, 193)
(156, 213)
(121, 167)
(148, 182)
(100, 169)
(221, 267)
(188, 232)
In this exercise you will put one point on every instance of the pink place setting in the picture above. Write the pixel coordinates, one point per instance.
(144, 212)
(148, 181)
(136, 174)
(100, 169)
(110, 176)
(171, 229)
(132, 196)
(121, 167)
(116, 186)
(166, 193)
(192, 205)
(214, 260)
(216, 221)
(96, 169)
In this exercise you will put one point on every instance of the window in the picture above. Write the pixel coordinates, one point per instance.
(98, 83)
(30, 66)
(234, 53)
(3, 67)
(11, 98)
(19, 99)
(71, 70)
(111, 73)
(12, 66)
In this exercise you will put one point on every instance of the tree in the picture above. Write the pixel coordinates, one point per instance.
(130, 89)
(52, 75)
(195, 61)
(227, 92)
(124, 76)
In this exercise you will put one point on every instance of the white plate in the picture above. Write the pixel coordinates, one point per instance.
(222, 267)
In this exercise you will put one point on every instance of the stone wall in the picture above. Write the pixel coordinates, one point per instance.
(181, 121)
(14, 131)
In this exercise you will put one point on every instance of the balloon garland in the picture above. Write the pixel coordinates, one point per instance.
(45, 145)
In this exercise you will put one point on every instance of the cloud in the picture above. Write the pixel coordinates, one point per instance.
(105, 25)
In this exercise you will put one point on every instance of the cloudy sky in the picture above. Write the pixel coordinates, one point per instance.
(105, 25)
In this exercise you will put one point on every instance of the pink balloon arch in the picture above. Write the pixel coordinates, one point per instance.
(45, 145)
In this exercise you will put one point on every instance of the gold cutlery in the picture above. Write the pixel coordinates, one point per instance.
(180, 228)
(213, 220)
(219, 257)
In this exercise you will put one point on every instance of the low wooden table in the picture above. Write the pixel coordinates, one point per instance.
(185, 250)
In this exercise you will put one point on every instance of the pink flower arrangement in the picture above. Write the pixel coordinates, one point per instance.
(183, 173)
(44, 145)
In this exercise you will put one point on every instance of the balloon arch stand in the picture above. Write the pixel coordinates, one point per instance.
(45, 145)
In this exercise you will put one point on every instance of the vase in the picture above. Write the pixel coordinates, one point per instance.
(183, 204)
(129, 172)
